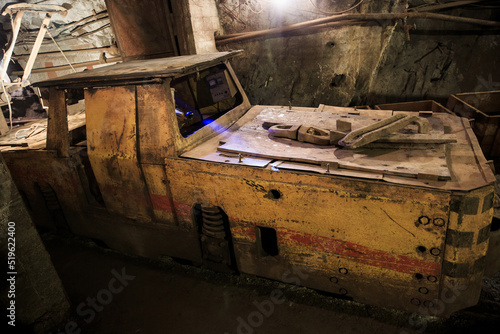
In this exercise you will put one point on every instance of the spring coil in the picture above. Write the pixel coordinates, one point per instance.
(50, 197)
(213, 222)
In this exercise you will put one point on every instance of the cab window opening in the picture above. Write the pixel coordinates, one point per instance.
(202, 97)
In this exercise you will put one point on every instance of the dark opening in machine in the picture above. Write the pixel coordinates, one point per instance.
(267, 241)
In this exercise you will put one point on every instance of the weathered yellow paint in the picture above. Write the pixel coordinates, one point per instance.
(159, 193)
(316, 214)
(390, 241)
(312, 207)
(112, 144)
(465, 256)
(154, 123)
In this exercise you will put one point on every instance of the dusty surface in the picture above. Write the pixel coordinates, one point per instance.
(165, 296)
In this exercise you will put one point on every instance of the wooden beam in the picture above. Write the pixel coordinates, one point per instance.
(57, 127)
(4, 128)
(36, 47)
(3, 124)
(109, 49)
(8, 54)
(67, 67)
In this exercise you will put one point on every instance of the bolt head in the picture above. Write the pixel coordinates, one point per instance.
(435, 251)
(424, 220)
(438, 222)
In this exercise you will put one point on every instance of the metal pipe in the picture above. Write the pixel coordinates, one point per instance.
(444, 6)
(357, 16)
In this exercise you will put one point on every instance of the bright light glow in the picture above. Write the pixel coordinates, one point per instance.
(280, 4)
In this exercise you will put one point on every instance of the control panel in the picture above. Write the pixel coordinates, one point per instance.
(219, 87)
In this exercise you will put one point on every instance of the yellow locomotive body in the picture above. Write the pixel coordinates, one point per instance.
(176, 162)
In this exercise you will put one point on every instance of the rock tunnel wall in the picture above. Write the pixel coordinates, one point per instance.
(363, 64)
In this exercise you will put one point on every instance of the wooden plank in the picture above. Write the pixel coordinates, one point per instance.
(57, 124)
(4, 128)
(36, 46)
(252, 139)
(141, 28)
(10, 138)
(74, 122)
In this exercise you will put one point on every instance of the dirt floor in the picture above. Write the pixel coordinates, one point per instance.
(115, 293)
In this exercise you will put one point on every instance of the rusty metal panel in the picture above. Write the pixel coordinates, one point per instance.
(159, 194)
(467, 239)
(30, 169)
(387, 237)
(142, 28)
(154, 104)
(156, 143)
(112, 149)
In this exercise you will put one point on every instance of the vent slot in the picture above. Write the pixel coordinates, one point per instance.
(267, 241)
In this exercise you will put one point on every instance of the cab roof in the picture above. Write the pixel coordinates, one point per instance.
(139, 70)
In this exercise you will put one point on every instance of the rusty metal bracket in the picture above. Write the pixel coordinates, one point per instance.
(313, 135)
(354, 139)
(385, 127)
(305, 133)
(284, 131)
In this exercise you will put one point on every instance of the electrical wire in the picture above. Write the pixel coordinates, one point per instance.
(62, 52)
(337, 13)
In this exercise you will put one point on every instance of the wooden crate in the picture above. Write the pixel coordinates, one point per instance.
(483, 108)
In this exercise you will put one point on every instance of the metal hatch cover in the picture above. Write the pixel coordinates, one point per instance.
(253, 139)
(452, 165)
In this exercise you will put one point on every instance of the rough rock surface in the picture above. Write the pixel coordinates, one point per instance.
(40, 300)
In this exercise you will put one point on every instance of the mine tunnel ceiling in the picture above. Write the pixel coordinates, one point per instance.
(301, 52)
